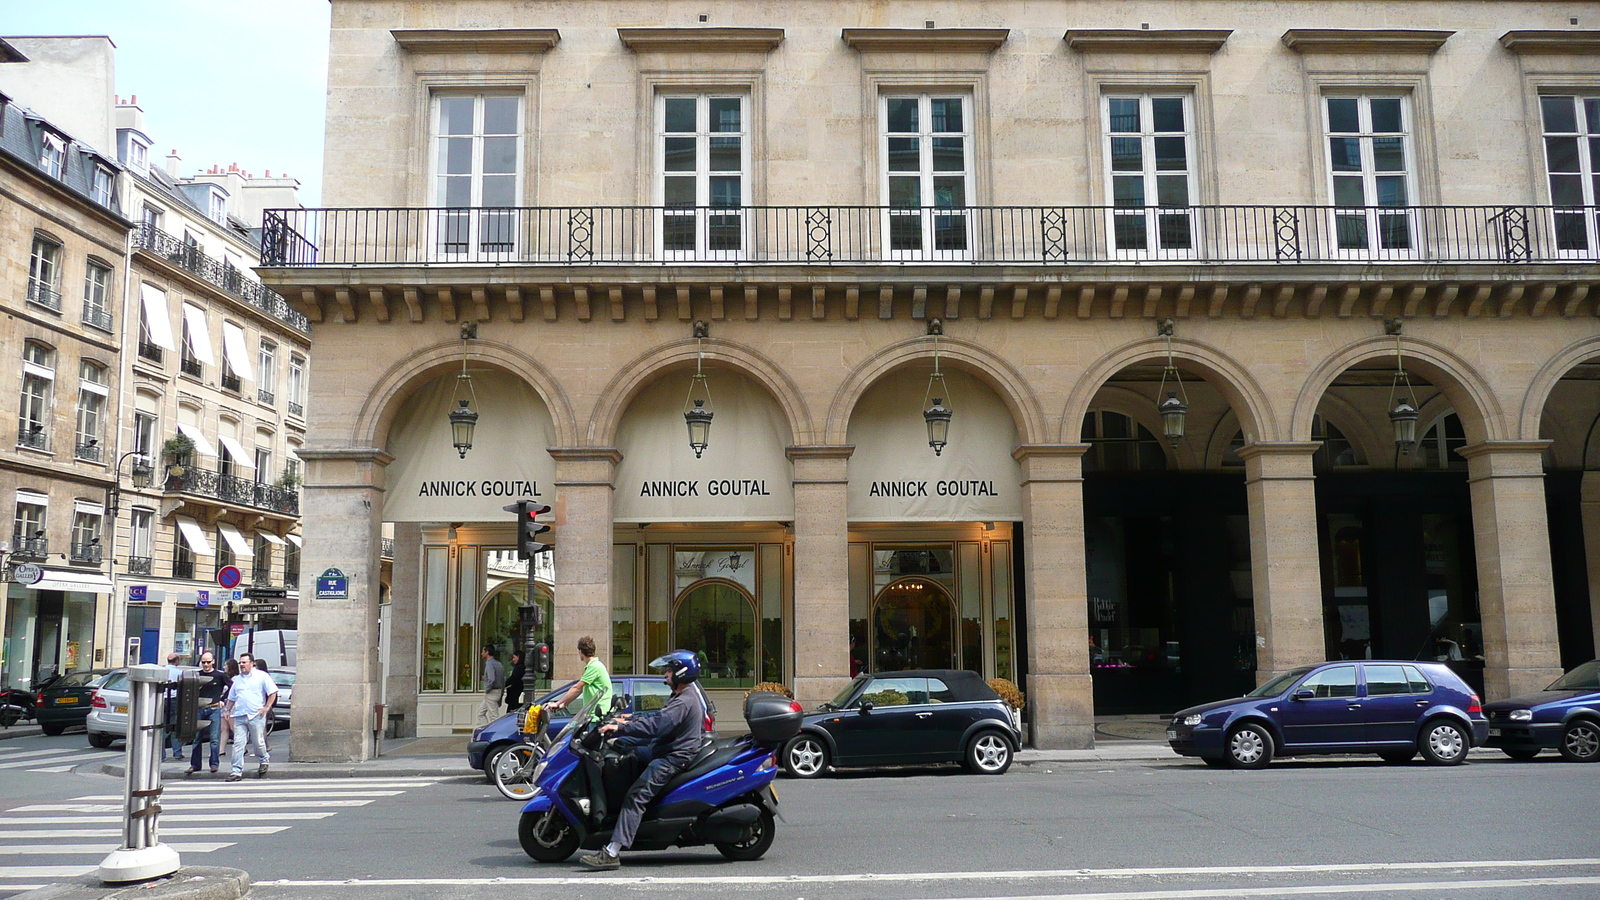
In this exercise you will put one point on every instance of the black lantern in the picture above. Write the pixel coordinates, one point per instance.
(462, 421)
(699, 421)
(1403, 414)
(698, 416)
(142, 473)
(1172, 412)
(1404, 419)
(937, 418)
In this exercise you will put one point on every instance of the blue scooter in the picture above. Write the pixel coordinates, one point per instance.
(723, 798)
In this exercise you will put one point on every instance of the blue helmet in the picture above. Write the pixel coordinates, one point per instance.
(682, 666)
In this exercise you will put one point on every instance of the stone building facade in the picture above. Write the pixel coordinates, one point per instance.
(1044, 220)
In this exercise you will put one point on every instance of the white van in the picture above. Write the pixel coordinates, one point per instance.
(276, 648)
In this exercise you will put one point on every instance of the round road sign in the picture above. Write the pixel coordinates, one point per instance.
(228, 576)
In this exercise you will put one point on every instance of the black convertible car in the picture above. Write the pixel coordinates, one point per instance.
(916, 716)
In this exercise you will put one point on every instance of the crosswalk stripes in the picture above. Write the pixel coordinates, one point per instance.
(54, 759)
(42, 843)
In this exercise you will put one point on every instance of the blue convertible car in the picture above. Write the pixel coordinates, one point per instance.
(645, 693)
(1564, 716)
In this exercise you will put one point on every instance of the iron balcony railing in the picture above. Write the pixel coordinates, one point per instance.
(188, 365)
(183, 567)
(260, 574)
(150, 351)
(44, 295)
(265, 396)
(88, 451)
(88, 554)
(230, 278)
(230, 382)
(296, 409)
(233, 489)
(139, 565)
(23, 547)
(98, 317)
(829, 235)
(33, 436)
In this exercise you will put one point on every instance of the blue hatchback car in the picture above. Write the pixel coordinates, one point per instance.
(1564, 716)
(1394, 708)
(645, 693)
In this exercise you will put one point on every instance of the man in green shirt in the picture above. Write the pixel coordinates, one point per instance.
(593, 688)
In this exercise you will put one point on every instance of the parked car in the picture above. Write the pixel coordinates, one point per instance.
(1394, 708)
(284, 679)
(64, 702)
(108, 710)
(1564, 716)
(909, 717)
(647, 693)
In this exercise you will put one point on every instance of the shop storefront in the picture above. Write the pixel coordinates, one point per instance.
(51, 630)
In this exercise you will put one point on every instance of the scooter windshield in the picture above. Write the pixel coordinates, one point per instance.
(580, 715)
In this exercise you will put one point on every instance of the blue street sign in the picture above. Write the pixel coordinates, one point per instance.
(136, 592)
(333, 585)
(202, 599)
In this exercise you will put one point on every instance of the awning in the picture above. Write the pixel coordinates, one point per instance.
(233, 348)
(241, 456)
(32, 498)
(86, 506)
(193, 536)
(155, 316)
(200, 443)
(235, 539)
(271, 538)
(199, 334)
(294, 539)
(67, 580)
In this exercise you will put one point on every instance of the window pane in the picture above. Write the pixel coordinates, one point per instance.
(1336, 682)
(1386, 680)
(725, 115)
(1391, 190)
(726, 154)
(499, 190)
(1127, 154)
(905, 193)
(500, 155)
(1347, 191)
(1388, 154)
(902, 114)
(455, 115)
(949, 154)
(1561, 153)
(680, 154)
(1171, 155)
(456, 154)
(679, 192)
(680, 114)
(457, 190)
(1344, 154)
(1124, 115)
(1560, 114)
(1172, 190)
(1344, 115)
(1415, 679)
(500, 115)
(1566, 190)
(946, 113)
(1591, 106)
(904, 155)
(725, 190)
(1127, 191)
(1386, 116)
(949, 191)
(1166, 114)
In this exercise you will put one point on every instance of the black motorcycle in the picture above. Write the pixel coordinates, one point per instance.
(16, 705)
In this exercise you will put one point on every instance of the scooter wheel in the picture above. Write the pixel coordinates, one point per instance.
(549, 837)
(753, 846)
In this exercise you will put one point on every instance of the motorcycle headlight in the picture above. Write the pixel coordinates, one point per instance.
(1521, 715)
(1192, 720)
(539, 769)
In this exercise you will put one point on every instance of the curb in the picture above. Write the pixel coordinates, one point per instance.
(298, 771)
(20, 731)
(188, 883)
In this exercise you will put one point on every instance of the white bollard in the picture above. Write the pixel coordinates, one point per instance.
(142, 855)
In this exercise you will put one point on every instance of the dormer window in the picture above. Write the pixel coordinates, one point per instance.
(100, 186)
(219, 207)
(52, 155)
(138, 156)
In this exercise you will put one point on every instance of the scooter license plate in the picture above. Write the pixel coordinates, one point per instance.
(774, 794)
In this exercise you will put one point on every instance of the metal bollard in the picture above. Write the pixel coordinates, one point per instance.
(142, 855)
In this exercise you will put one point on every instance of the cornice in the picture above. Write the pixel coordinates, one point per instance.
(1565, 43)
(926, 40)
(820, 451)
(701, 40)
(1364, 40)
(1129, 40)
(476, 40)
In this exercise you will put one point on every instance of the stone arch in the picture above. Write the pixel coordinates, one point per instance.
(1139, 408)
(389, 394)
(1355, 426)
(1227, 375)
(999, 375)
(680, 355)
(1467, 390)
(1544, 382)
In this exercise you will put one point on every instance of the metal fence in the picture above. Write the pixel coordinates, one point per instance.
(192, 259)
(236, 490)
(828, 235)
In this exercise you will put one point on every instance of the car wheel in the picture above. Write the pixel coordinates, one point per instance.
(989, 754)
(1249, 747)
(755, 845)
(547, 836)
(1581, 741)
(491, 758)
(1398, 757)
(1443, 743)
(508, 767)
(1520, 754)
(96, 739)
(806, 757)
(52, 728)
(1215, 762)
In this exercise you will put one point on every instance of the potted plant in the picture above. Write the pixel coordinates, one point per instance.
(1013, 697)
(179, 451)
(289, 480)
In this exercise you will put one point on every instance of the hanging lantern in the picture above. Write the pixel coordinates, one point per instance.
(1172, 412)
(1404, 419)
(699, 421)
(142, 472)
(937, 418)
(463, 419)
(698, 417)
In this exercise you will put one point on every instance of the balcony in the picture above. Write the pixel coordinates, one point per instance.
(140, 565)
(260, 575)
(29, 547)
(235, 490)
(191, 366)
(97, 317)
(43, 295)
(150, 351)
(183, 568)
(229, 278)
(992, 235)
(88, 451)
(266, 396)
(296, 409)
(230, 382)
(86, 554)
(33, 436)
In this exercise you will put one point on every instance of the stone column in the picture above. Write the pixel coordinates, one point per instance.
(821, 572)
(1060, 689)
(583, 538)
(1516, 595)
(341, 515)
(1285, 564)
(405, 610)
(1591, 547)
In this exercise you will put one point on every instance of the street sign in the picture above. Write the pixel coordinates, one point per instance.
(237, 628)
(261, 609)
(137, 592)
(202, 599)
(28, 573)
(333, 585)
(266, 593)
(229, 576)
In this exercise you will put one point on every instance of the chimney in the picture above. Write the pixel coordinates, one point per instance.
(172, 163)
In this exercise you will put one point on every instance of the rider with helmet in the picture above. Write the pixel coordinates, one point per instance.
(676, 734)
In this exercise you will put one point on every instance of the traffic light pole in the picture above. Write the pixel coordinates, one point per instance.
(536, 651)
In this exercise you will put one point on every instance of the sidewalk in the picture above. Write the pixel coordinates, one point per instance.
(404, 758)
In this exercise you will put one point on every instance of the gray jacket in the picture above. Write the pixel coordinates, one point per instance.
(676, 732)
(494, 675)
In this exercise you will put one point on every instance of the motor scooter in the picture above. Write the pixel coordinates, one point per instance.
(16, 705)
(724, 797)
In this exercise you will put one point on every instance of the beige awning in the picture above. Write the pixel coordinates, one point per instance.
(233, 348)
(193, 535)
(241, 456)
(271, 538)
(235, 539)
(194, 434)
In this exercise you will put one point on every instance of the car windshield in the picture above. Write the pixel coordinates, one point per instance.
(1584, 678)
(116, 681)
(838, 701)
(283, 679)
(1280, 684)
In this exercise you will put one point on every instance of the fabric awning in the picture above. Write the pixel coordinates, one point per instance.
(87, 506)
(235, 539)
(234, 349)
(199, 334)
(68, 580)
(31, 497)
(271, 538)
(241, 456)
(294, 539)
(193, 536)
(200, 443)
(156, 316)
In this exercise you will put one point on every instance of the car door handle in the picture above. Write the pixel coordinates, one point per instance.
(924, 715)
(1423, 703)
(1353, 706)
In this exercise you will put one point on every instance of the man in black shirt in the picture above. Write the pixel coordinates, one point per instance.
(213, 687)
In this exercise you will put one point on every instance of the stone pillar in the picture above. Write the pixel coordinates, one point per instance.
(1591, 548)
(341, 517)
(405, 611)
(1285, 564)
(1060, 689)
(583, 554)
(1516, 595)
(821, 572)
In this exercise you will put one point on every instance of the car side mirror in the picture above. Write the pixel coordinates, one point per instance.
(866, 707)
(1303, 694)
(621, 702)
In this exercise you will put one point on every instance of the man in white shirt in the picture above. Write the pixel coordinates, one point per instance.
(250, 700)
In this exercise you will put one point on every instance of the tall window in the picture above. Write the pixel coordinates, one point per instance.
(261, 565)
(1149, 151)
(86, 535)
(477, 147)
(1572, 156)
(44, 273)
(219, 207)
(150, 216)
(140, 526)
(927, 177)
(138, 157)
(263, 464)
(145, 428)
(52, 155)
(1437, 449)
(703, 153)
(196, 341)
(1336, 450)
(28, 536)
(1369, 171)
(224, 550)
(183, 555)
(97, 295)
(297, 385)
(92, 394)
(100, 182)
(38, 378)
(267, 378)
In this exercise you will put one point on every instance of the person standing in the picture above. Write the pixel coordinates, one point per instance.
(170, 707)
(494, 685)
(250, 700)
(514, 681)
(593, 689)
(213, 688)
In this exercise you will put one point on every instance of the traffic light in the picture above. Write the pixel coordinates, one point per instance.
(539, 660)
(529, 527)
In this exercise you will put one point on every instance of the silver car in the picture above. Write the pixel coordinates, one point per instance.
(108, 710)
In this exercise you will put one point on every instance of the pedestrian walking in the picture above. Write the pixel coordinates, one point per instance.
(514, 681)
(250, 700)
(170, 708)
(494, 685)
(213, 690)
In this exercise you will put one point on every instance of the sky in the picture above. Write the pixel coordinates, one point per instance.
(220, 81)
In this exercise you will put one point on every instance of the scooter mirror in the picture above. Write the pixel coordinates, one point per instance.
(866, 707)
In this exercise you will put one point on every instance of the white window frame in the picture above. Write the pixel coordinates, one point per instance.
(86, 527)
(1587, 137)
(267, 361)
(146, 429)
(90, 391)
(38, 391)
(446, 220)
(218, 207)
(44, 269)
(1370, 215)
(141, 528)
(931, 222)
(297, 381)
(1151, 212)
(138, 156)
(97, 278)
(100, 184)
(52, 155)
(31, 519)
(705, 217)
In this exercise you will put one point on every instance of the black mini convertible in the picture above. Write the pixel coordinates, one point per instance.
(911, 717)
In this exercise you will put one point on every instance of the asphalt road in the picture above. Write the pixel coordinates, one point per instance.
(1131, 831)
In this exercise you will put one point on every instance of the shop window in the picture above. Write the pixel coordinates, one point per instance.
(1000, 572)
(1455, 627)
(624, 559)
(499, 621)
(1119, 444)
(927, 175)
(469, 661)
(436, 590)
(717, 621)
(1437, 449)
(914, 627)
(703, 153)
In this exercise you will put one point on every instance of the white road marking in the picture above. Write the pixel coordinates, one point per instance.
(77, 759)
(64, 849)
(1323, 890)
(66, 768)
(19, 754)
(165, 817)
(210, 831)
(44, 871)
(168, 803)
